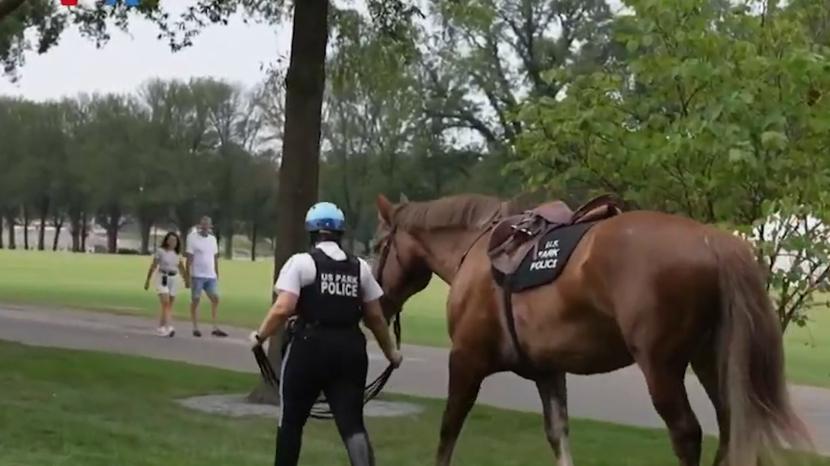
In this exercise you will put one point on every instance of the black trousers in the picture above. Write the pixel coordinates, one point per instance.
(334, 362)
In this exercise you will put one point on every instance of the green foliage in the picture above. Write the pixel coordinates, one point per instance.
(371, 113)
(716, 114)
(42, 19)
(377, 136)
(493, 53)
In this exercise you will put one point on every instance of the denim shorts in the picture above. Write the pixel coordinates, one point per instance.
(199, 284)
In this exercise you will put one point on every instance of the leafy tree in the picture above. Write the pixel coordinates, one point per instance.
(715, 116)
(494, 53)
(371, 113)
(259, 207)
(78, 178)
(44, 161)
(236, 122)
(814, 15)
(11, 156)
(116, 129)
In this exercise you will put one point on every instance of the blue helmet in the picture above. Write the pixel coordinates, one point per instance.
(325, 216)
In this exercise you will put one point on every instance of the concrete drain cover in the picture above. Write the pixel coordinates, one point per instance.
(235, 405)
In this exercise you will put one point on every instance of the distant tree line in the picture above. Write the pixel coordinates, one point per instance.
(166, 154)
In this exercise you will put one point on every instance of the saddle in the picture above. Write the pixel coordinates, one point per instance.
(515, 236)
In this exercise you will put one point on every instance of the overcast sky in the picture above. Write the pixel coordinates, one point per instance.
(234, 52)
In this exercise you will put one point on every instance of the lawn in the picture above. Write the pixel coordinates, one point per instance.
(62, 407)
(115, 284)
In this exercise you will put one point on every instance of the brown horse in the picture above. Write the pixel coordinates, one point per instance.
(642, 287)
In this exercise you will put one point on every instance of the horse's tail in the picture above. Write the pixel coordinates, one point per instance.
(751, 360)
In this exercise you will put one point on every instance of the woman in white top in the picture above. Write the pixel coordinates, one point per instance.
(168, 262)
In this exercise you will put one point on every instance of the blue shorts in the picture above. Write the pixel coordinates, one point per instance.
(199, 284)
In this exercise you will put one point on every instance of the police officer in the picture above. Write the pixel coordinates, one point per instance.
(330, 291)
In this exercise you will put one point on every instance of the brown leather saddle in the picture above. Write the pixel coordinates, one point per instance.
(515, 236)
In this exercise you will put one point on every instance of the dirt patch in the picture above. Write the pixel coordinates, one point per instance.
(235, 405)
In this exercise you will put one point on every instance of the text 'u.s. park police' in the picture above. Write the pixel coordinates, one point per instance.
(337, 284)
(547, 257)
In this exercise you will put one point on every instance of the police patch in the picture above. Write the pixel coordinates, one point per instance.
(339, 284)
(543, 264)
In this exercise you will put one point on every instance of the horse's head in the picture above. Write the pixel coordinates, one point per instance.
(401, 267)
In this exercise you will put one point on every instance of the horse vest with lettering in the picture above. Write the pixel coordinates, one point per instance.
(545, 262)
(334, 298)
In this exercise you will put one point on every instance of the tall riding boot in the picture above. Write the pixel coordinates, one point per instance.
(289, 442)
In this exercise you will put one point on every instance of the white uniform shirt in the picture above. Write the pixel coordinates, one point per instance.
(203, 249)
(300, 271)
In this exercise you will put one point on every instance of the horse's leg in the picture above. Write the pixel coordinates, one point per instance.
(554, 395)
(668, 393)
(465, 383)
(706, 369)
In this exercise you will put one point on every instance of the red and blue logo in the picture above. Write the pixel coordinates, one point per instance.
(106, 2)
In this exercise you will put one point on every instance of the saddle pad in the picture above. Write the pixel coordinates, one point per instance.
(545, 262)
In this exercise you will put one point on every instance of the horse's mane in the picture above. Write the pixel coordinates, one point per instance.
(470, 211)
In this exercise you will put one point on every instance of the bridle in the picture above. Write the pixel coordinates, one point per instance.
(373, 389)
(389, 241)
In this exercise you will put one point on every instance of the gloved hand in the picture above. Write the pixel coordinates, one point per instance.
(254, 340)
(396, 358)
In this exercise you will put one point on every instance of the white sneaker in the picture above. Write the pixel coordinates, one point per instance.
(170, 331)
(161, 331)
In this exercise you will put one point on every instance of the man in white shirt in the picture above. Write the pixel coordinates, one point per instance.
(203, 270)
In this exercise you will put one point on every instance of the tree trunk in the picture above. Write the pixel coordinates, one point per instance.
(58, 222)
(253, 241)
(75, 228)
(75, 231)
(84, 231)
(228, 239)
(145, 236)
(41, 234)
(11, 221)
(2, 246)
(112, 226)
(25, 228)
(185, 219)
(300, 164)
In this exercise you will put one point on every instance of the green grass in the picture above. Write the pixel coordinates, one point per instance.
(114, 283)
(62, 407)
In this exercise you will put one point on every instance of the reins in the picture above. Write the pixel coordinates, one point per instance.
(494, 219)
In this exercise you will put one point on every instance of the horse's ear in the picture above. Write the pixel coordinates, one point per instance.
(404, 199)
(384, 209)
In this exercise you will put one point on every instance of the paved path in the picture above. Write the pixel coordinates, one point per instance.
(618, 397)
